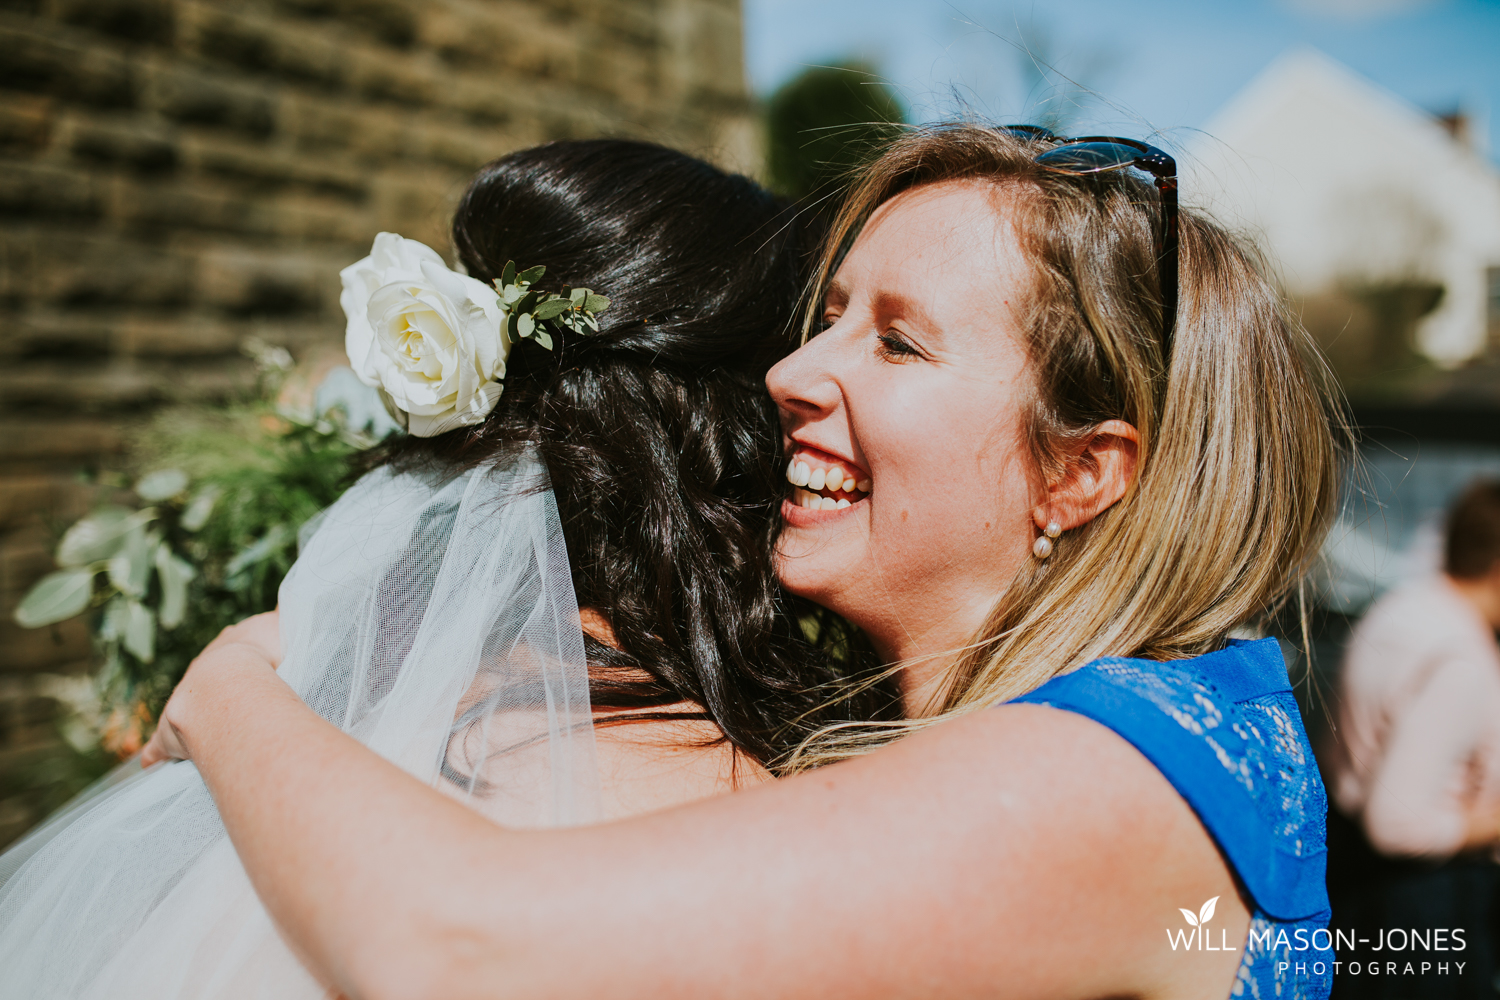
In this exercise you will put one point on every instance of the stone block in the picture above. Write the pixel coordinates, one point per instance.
(146, 21)
(24, 559)
(43, 58)
(397, 78)
(41, 190)
(56, 497)
(189, 205)
(274, 166)
(306, 219)
(266, 46)
(418, 206)
(140, 145)
(123, 384)
(51, 385)
(53, 333)
(176, 335)
(62, 440)
(26, 121)
(195, 98)
(390, 22)
(246, 281)
(94, 271)
(46, 648)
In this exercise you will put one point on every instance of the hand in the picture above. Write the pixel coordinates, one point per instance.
(254, 643)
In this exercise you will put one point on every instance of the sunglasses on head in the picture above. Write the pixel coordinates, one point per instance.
(1096, 154)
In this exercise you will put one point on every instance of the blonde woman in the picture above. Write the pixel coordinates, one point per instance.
(1070, 483)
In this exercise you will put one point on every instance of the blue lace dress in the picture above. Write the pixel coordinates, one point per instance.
(1225, 731)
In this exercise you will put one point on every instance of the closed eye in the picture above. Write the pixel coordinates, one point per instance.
(896, 348)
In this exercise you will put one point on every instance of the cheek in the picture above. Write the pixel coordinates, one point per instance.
(951, 496)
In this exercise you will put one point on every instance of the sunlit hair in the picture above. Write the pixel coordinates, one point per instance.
(1242, 440)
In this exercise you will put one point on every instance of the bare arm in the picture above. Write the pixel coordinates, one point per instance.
(961, 862)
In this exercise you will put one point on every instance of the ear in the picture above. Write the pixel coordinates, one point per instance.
(1094, 476)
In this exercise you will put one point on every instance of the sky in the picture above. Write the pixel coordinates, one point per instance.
(1131, 67)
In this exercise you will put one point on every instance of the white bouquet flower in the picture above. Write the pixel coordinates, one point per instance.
(431, 340)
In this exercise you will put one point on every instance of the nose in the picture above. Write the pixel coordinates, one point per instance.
(804, 383)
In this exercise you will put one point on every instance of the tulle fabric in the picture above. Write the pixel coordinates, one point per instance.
(432, 619)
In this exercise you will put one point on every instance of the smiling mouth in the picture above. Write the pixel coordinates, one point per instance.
(824, 485)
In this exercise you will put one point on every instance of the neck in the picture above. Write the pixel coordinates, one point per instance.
(927, 663)
(1482, 594)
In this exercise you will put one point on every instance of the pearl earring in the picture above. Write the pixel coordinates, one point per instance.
(1042, 547)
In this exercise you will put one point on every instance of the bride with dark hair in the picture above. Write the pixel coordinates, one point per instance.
(552, 599)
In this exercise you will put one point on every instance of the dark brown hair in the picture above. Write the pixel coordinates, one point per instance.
(1473, 543)
(657, 431)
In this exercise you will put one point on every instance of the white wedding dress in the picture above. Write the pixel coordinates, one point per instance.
(433, 620)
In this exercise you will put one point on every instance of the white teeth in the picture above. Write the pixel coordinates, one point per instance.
(801, 473)
(842, 504)
(810, 500)
(828, 503)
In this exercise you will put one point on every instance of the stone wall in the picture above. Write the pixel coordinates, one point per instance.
(177, 177)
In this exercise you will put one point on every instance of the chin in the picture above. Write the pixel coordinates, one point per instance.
(808, 567)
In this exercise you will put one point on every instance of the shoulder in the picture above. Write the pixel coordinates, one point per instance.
(1070, 819)
(1224, 732)
(1413, 631)
(1419, 613)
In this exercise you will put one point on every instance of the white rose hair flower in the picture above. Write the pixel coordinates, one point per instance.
(434, 342)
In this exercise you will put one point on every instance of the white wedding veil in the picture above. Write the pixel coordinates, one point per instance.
(431, 617)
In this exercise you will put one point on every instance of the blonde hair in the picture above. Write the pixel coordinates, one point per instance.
(1242, 439)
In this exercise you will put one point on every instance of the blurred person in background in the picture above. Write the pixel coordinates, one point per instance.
(1417, 760)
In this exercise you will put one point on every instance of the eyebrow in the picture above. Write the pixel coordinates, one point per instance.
(887, 303)
(893, 303)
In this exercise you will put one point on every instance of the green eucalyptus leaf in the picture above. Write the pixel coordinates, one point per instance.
(579, 296)
(112, 625)
(259, 551)
(532, 274)
(544, 339)
(174, 573)
(596, 303)
(130, 568)
(509, 295)
(199, 508)
(163, 484)
(508, 274)
(525, 325)
(552, 308)
(96, 537)
(56, 597)
(139, 636)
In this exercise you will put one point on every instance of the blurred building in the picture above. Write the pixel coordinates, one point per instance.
(180, 176)
(1383, 219)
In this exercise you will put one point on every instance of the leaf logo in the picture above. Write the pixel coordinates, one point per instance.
(1204, 914)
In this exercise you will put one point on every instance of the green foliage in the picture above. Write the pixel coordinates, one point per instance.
(199, 542)
(530, 312)
(825, 122)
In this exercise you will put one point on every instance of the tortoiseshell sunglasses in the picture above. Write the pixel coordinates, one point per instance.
(1094, 154)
